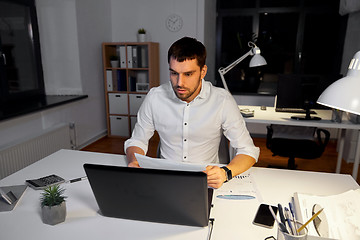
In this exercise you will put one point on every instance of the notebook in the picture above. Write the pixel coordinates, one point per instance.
(163, 196)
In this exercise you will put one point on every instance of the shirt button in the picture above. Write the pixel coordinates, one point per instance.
(187, 104)
(185, 124)
(184, 157)
(184, 140)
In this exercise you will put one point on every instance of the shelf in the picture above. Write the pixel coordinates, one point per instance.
(126, 85)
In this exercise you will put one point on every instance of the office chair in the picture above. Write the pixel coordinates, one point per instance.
(296, 142)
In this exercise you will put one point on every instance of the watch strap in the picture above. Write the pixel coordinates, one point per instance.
(228, 173)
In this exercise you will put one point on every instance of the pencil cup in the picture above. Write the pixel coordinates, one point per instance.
(285, 236)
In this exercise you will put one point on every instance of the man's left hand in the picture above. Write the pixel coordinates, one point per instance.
(215, 176)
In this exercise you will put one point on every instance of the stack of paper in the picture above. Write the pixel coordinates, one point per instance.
(342, 213)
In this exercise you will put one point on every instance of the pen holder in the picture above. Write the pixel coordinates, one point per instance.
(285, 236)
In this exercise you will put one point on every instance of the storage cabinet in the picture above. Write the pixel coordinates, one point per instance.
(127, 80)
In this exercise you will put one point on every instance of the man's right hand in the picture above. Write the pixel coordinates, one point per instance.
(134, 164)
(130, 156)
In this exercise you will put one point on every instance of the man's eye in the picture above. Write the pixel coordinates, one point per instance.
(173, 73)
(188, 74)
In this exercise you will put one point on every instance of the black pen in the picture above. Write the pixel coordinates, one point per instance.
(77, 179)
(281, 214)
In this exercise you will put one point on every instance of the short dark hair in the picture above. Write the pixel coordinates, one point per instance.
(188, 48)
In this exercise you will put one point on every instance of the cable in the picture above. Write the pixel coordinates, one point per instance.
(211, 226)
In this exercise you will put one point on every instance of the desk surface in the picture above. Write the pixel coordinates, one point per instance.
(233, 218)
(269, 116)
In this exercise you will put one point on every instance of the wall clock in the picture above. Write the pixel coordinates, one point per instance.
(174, 23)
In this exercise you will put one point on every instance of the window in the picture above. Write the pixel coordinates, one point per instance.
(21, 74)
(295, 37)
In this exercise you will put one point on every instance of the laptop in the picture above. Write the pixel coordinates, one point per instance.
(163, 196)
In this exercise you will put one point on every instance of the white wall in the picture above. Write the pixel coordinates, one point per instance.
(129, 16)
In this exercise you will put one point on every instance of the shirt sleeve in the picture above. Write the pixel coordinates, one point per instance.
(234, 129)
(144, 127)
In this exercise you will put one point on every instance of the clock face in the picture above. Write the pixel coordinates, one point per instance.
(174, 23)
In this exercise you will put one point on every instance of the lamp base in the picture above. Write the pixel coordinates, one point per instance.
(305, 118)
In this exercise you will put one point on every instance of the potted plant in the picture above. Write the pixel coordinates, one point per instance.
(53, 206)
(114, 61)
(141, 35)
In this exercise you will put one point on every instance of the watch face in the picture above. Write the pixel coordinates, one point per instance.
(174, 23)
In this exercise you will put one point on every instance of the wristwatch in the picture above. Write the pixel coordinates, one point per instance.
(228, 174)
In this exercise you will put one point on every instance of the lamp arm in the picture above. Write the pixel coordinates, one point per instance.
(236, 62)
(223, 71)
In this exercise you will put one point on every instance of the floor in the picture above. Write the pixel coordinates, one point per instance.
(326, 163)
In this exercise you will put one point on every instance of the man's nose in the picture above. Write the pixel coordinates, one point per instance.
(180, 80)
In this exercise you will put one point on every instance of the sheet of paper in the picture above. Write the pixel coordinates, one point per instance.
(165, 164)
(242, 184)
(342, 212)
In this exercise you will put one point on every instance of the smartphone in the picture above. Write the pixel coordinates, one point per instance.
(264, 217)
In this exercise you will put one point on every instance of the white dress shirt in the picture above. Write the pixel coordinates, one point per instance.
(191, 132)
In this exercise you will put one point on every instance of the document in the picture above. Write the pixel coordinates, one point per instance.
(342, 213)
(241, 185)
(165, 164)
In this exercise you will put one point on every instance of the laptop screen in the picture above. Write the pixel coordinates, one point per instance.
(165, 196)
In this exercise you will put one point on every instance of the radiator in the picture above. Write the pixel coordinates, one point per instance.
(21, 154)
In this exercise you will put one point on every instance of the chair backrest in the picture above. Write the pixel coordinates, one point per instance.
(296, 141)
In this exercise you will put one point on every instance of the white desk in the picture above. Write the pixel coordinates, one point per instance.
(233, 219)
(269, 116)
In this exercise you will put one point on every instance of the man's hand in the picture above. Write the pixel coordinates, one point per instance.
(130, 156)
(215, 176)
(134, 164)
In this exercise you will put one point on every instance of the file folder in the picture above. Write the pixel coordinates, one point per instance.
(129, 57)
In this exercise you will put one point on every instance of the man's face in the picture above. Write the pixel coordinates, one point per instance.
(186, 78)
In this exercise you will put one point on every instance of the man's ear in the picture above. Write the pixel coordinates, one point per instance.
(203, 71)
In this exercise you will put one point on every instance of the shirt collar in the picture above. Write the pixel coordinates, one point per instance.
(204, 92)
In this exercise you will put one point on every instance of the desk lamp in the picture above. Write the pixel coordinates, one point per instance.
(344, 93)
(256, 60)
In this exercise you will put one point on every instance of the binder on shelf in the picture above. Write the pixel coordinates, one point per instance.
(135, 61)
(122, 56)
(144, 57)
(132, 81)
(109, 80)
(115, 80)
(121, 80)
(129, 57)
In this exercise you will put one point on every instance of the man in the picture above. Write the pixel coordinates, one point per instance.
(190, 116)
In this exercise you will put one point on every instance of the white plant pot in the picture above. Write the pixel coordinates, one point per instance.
(114, 63)
(141, 37)
(54, 214)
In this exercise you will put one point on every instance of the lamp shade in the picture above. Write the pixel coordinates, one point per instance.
(344, 94)
(257, 59)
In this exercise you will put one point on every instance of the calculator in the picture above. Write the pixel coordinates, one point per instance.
(45, 182)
